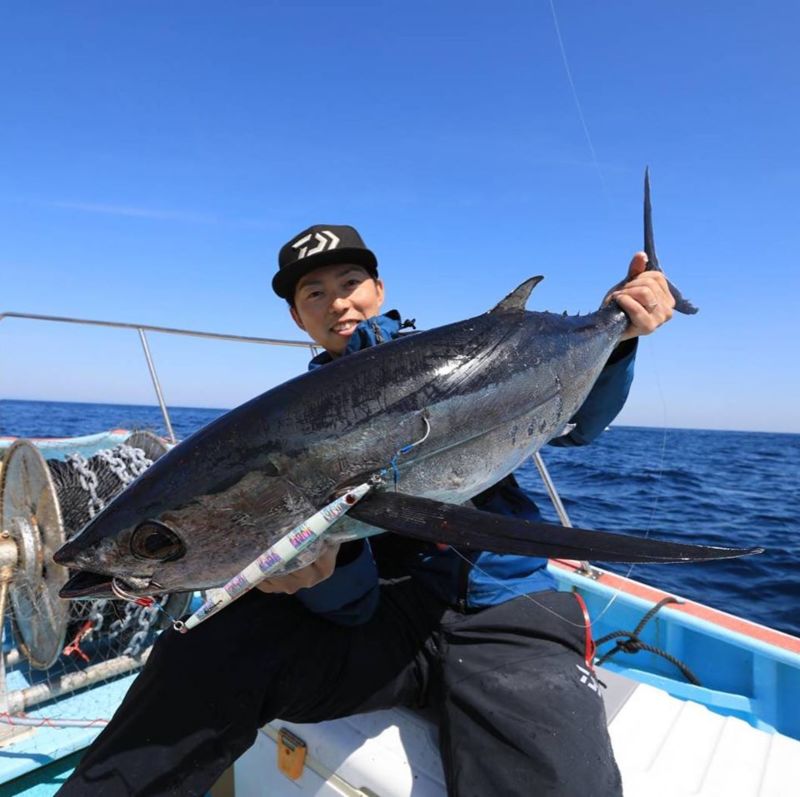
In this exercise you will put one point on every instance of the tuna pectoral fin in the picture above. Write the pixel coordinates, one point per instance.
(467, 528)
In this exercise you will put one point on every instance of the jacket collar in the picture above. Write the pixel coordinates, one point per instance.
(375, 330)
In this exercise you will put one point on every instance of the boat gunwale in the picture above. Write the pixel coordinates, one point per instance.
(699, 615)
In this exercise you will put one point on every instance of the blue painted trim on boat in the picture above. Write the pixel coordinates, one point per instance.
(696, 623)
(51, 744)
(742, 676)
(60, 447)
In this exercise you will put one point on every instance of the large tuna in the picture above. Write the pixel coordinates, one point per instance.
(485, 394)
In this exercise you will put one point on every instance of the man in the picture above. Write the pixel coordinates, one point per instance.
(481, 638)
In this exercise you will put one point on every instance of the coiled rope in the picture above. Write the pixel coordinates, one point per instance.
(629, 642)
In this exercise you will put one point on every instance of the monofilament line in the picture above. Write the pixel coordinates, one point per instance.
(577, 101)
(518, 592)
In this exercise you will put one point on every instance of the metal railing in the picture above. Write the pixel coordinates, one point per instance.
(142, 329)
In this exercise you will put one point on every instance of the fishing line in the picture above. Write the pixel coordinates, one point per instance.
(577, 101)
(663, 456)
(519, 593)
(661, 460)
(404, 450)
(596, 163)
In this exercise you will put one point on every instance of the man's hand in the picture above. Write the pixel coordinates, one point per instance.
(308, 576)
(645, 298)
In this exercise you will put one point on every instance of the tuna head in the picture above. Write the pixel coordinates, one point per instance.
(193, 518)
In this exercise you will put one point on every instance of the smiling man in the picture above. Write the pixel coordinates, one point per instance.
(330, 280)
(502, 728)
(330, 302)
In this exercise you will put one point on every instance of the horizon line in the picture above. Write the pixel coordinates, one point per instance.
(156, 407)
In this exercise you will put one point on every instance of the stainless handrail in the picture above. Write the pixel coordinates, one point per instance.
(168, 330)
(142, 328)
(157, 386)
(555, 499)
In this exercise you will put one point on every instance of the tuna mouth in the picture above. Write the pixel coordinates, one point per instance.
(86, 584)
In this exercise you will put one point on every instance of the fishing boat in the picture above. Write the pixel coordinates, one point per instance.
(699, 702)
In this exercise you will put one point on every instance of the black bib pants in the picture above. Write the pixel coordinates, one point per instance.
(518, 714)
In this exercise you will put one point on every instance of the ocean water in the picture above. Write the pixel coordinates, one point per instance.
(714, 487)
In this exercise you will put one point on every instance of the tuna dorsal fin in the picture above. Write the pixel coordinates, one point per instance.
(518, 298)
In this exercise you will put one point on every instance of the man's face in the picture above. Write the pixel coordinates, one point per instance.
(330, 301)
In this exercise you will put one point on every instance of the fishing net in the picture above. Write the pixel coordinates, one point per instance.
(65, 664)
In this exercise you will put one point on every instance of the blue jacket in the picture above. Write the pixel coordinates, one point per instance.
(480, 578)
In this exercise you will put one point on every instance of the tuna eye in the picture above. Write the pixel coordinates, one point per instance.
(152, 540)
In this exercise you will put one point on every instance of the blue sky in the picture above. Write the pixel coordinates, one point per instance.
(155, 156)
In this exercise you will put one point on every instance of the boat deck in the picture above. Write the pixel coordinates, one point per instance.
(665, 747)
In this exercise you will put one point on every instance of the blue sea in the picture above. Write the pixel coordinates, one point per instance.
(715, 487)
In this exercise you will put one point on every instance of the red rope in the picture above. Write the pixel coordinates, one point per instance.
(589, 646)
(75, 645)
(42, 722)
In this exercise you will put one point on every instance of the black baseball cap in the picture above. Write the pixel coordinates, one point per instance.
(320, 245)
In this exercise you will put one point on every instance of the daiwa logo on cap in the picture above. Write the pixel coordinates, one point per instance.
(320, 245)
(325, 240)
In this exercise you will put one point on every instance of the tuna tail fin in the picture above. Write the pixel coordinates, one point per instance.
(681, 305)
(472, 529)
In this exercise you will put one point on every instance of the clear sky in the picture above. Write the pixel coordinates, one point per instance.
(154, 157)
